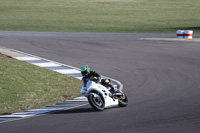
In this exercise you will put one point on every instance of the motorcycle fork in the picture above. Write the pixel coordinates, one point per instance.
(98, 96)
(122, 97)
(100, 99)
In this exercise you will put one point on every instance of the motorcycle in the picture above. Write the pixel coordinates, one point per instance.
(100, 97)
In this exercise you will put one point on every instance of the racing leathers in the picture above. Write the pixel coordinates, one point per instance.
(86, 78)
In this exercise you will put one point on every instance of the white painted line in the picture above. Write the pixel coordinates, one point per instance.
(39, 114)
(80, 98)
(68, 71)
(84, 100)
(21, 113)
(27, 58)
(78, 78)
(15, 116)
(49, 64)
(32, 112)
(51, 109)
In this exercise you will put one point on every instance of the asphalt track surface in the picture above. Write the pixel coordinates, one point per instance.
(161, 80)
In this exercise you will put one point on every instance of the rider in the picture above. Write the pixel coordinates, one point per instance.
(87, 75)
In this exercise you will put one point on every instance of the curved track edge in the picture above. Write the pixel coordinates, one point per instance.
(54, 66)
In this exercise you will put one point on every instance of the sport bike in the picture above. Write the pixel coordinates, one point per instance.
(100, 97)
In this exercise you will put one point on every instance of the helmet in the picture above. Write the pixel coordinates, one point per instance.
(107, 81)
(85, 70)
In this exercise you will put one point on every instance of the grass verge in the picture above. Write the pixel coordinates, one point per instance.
(24, 86)
(124, 16)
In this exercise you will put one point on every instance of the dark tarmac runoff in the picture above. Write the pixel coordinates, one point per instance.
(161, 79)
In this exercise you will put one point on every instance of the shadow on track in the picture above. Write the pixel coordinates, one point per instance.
(75, 111)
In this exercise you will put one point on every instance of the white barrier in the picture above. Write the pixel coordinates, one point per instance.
(184, 34)
(188, 34)
(180, 34)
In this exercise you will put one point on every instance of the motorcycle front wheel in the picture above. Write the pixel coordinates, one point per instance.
(96, 101)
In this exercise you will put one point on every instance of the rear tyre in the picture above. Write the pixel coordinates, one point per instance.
(123, 102)
(96, 101)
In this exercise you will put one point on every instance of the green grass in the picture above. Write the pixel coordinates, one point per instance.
(24, 86)
(124, 16)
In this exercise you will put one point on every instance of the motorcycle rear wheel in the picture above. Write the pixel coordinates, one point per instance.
(96, 102)
(123, 102)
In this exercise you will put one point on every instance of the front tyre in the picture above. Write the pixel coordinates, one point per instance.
(96, 101)
(123, 102)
